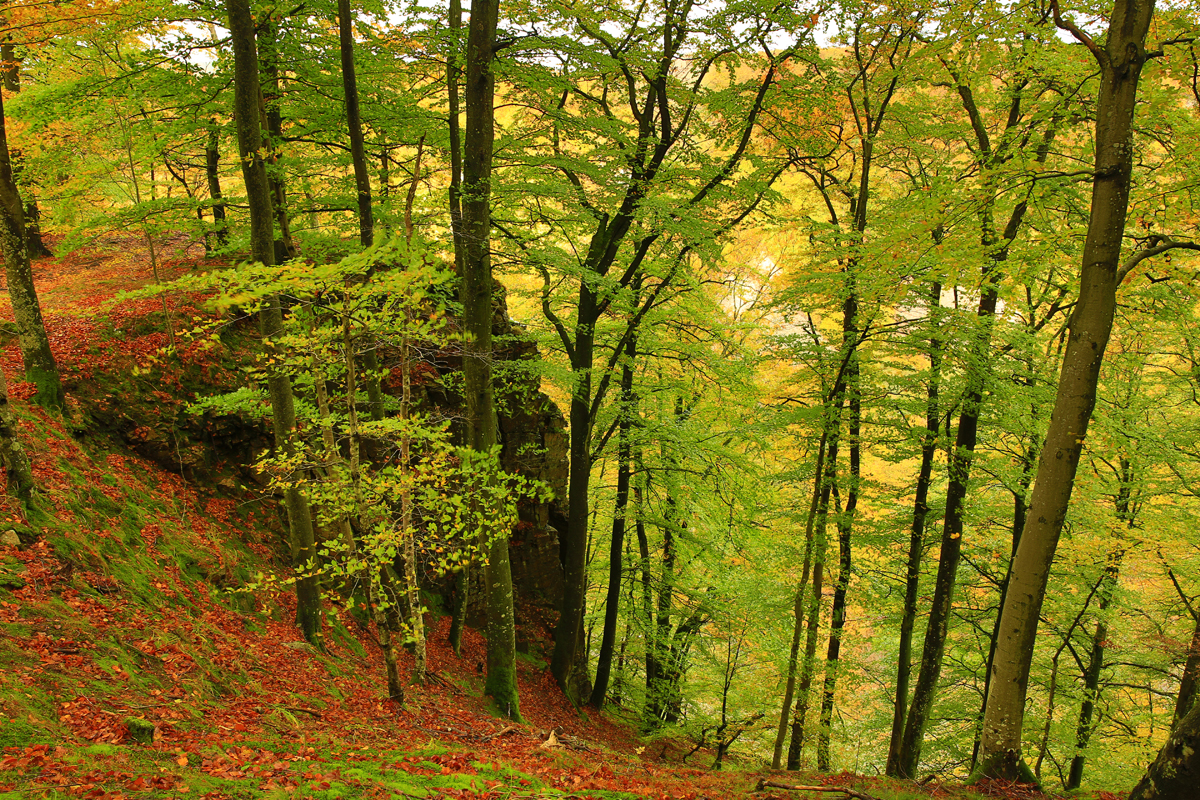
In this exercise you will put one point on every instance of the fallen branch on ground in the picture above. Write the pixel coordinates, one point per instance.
(765, 784)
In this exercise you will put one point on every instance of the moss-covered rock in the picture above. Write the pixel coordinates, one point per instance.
(140, 730)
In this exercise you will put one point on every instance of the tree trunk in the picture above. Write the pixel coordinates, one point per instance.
(845, 520)
(453, 76)
(269, 97)
(13, 460)
(1091, 674)
(798, 605)
(40, 367)
(462, 580)
(574, 543)
(212, 160)
(617, 544)
(283, 413)
(358, 149)
(1091, 322)
(501, 683)
(916, 540)
(813, 606)
(966, 438)
(10, 67)
(1020, 512)
(1175, 774)
(1190, 682)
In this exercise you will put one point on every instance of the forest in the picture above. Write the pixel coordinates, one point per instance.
(814, 385)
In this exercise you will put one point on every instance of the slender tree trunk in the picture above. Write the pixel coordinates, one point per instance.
(462, 580)
(845, 520)
(617, 544)
(658, 661)
(501, 683)
(453, 76)
(1091, 322)
(358, 149)
(1091, 674)
(411, 584)
(283, 414)
(916, 539)
(813, 606)
(269, 98)
(1020, 512)
(40, 367)
(978, 369)
(574, 543)
(380, 588)
(798, 605)
(212, 161)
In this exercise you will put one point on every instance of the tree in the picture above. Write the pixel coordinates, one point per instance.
(1120, 59)
(476, 294)
(258, 194)
(40, 367)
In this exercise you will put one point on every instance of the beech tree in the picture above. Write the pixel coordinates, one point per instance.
(283, 416)
(1121, 58)
(476, 293)
(40, 367)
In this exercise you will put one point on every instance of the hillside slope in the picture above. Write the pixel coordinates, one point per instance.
(142, 655)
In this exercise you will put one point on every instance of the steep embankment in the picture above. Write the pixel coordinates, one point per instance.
(137, 661)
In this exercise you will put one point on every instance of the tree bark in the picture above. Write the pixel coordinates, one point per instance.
(979, 364)
(1091, 674)
(1120, 59)
(813, 604)
(798, 605)
(283, 413)
(845, 519)
(10, 67)
(40, 367)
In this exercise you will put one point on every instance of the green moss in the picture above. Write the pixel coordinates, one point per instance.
(19, 733)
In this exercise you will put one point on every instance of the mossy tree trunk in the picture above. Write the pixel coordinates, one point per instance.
(12, 455)
(40, 367)
(1175, 774)
(10, 67)
(283, 412)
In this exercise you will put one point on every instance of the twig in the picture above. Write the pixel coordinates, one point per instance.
(765, 784)
(303, 710)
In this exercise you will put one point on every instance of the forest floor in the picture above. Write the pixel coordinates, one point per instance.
(136, 659)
